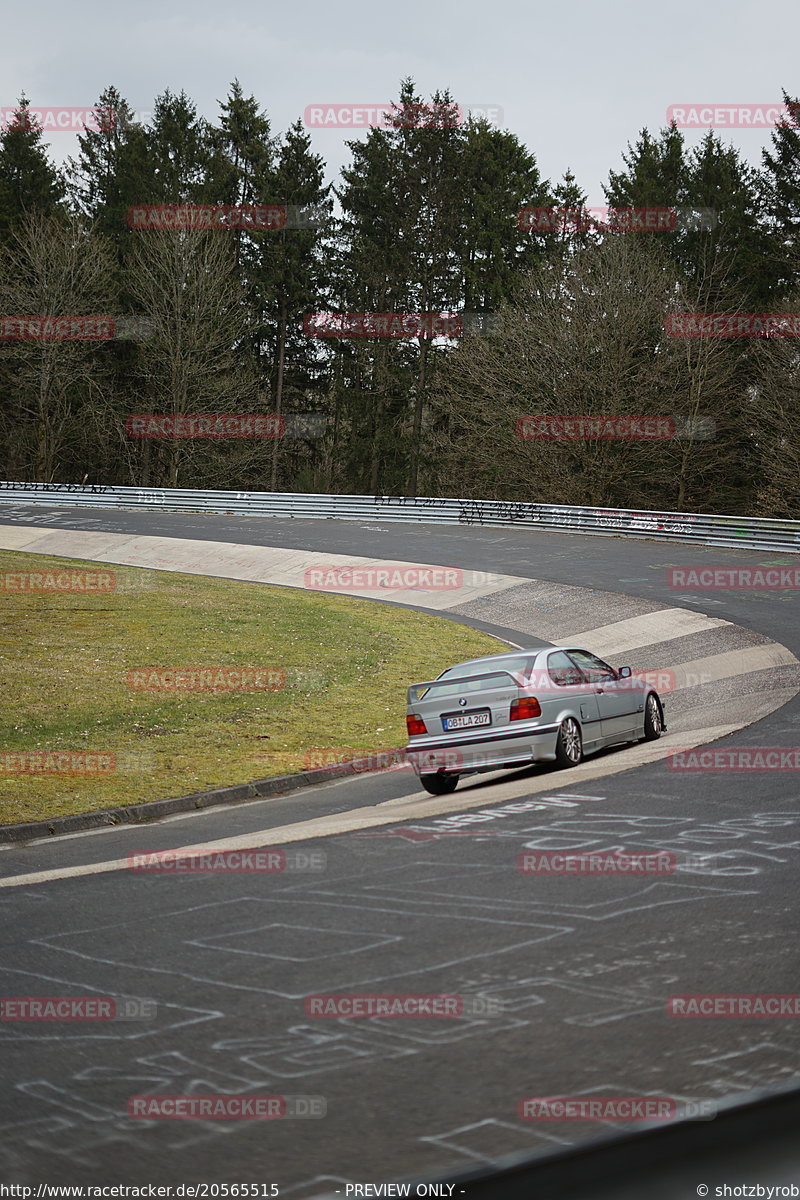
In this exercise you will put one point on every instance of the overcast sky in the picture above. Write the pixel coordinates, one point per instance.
(574, 81)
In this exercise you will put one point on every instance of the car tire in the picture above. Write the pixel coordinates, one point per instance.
(439, 785)
(569, 744)
(653, 721)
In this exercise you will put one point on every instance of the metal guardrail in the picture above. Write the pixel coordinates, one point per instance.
(705, 529)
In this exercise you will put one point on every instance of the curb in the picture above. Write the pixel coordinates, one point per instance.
(135, 814)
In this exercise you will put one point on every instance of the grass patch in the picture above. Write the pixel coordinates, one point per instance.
(342, 666)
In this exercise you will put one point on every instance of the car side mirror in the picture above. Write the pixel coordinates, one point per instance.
(624, 672)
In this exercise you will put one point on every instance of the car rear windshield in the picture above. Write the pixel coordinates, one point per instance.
(458, 687)
(516, 666)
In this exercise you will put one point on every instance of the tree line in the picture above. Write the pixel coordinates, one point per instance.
(561, 313)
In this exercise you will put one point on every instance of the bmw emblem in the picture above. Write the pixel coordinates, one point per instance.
(462, 703)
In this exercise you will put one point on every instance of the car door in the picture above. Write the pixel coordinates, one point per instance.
(620, 705)
(569, 683)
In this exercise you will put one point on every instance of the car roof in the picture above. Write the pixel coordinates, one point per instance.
(495, 658)
(508, 656)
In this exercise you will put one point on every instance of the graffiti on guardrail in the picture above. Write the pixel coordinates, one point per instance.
(21, 486)
(479, 512)
(414, 501)
(645, 521)
(702, 528)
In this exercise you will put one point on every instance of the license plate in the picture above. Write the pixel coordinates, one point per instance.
(467, 720)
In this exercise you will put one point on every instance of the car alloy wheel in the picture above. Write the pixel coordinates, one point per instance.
(569, 747)
(652, 719)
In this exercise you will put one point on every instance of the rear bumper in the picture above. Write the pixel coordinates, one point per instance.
(482, 751)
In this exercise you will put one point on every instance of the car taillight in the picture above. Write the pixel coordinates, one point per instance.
(524, 709)
(415, 725)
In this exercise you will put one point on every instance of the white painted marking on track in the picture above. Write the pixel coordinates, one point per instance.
(647, 630)
(285, 566)
(731, 663)
(405, 808)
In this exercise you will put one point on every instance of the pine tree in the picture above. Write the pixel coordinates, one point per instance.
(731, 253)
(102, 180)
(289, 275)
(499, 177)
(184, 164)
(106, 180)
(566, 224)
(655, 175)
(244, 135)
(377, 270)
(29, 183)
(781, 196)
(428, 193)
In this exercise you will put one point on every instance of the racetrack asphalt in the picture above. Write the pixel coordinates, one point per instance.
(578, 968)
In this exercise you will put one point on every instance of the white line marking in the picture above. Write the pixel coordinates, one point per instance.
(387, 813)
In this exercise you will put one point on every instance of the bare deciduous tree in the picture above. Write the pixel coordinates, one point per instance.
(52, 267)
(773, 419)
(584, 337)
(186, 284)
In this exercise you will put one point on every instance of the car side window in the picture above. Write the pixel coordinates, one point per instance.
(593, 667)
(563, 671)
